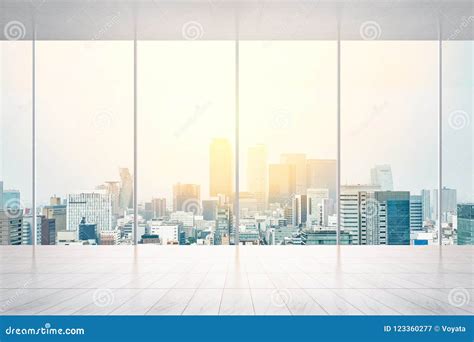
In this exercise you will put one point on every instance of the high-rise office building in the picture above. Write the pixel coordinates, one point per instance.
(382, 175)
(209, 209)
(416, 212)
(48, 230)
(220, 168)
(126, 189)
(465, 229)
(58, 213)
(300, 210)
(359, 212)
(11, 199)
(394, 216)
(282, 183)
(224, 225)
(321, 174)
(158, 206)
(317, 206)
(87, 231)
(426, 202)
(298, 160)
(187, 197)
(55, 200)
(257, 172)
(11, 223)
(448, 203)
(95, 206)
(113, 188)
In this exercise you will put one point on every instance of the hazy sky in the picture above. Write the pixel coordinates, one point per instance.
(186, 97)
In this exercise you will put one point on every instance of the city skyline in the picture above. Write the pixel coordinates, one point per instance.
(288, 109)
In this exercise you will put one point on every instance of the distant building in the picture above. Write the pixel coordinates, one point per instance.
(328, 237)
(382, 175)
(88, 231)
(158, 206)
(448, 203)
(48, 230)
(187, 197)
(300, 210)
(257, 174)
(221, 171)
(11, 199)
(298, 160)
(126, 189)
(11, 222)
(426, 202)
(58, 212)
(321, 174)
(416, 212)
(465, 228)
(318, 206)
(150, 239)
(95, 206)
(209, 209)
(167, 231)
(394, 216)
(282, 183)
(109, 237)
(224, 225)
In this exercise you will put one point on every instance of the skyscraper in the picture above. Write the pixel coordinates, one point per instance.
(382, 175)
(257, 172)
(11, 222)
(224, 224)
(209, 209)
(321, 174)
(316, 199)
(416, 212)
(465, 224)
(126, 189)
(95, 206)
(394, 216)
(48, 230)
(282, 183)
(220, 165)
(187, 197)
(58, 213)
(359, 214)
(299, 162)
(1, 194)
(448, 202)
(426, 202)
(11, 199)
(300, 210)
(158, 206)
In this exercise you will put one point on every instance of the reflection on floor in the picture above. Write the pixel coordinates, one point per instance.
(224, 280)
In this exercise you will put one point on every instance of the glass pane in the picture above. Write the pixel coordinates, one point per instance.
(186, 141)
(84, 142)
(457, 199)
(16, 142)
(288, 141)
(389, 141)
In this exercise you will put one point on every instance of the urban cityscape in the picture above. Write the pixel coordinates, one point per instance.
(292, 202)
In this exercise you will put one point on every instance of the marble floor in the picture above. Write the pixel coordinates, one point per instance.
(226, 280)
